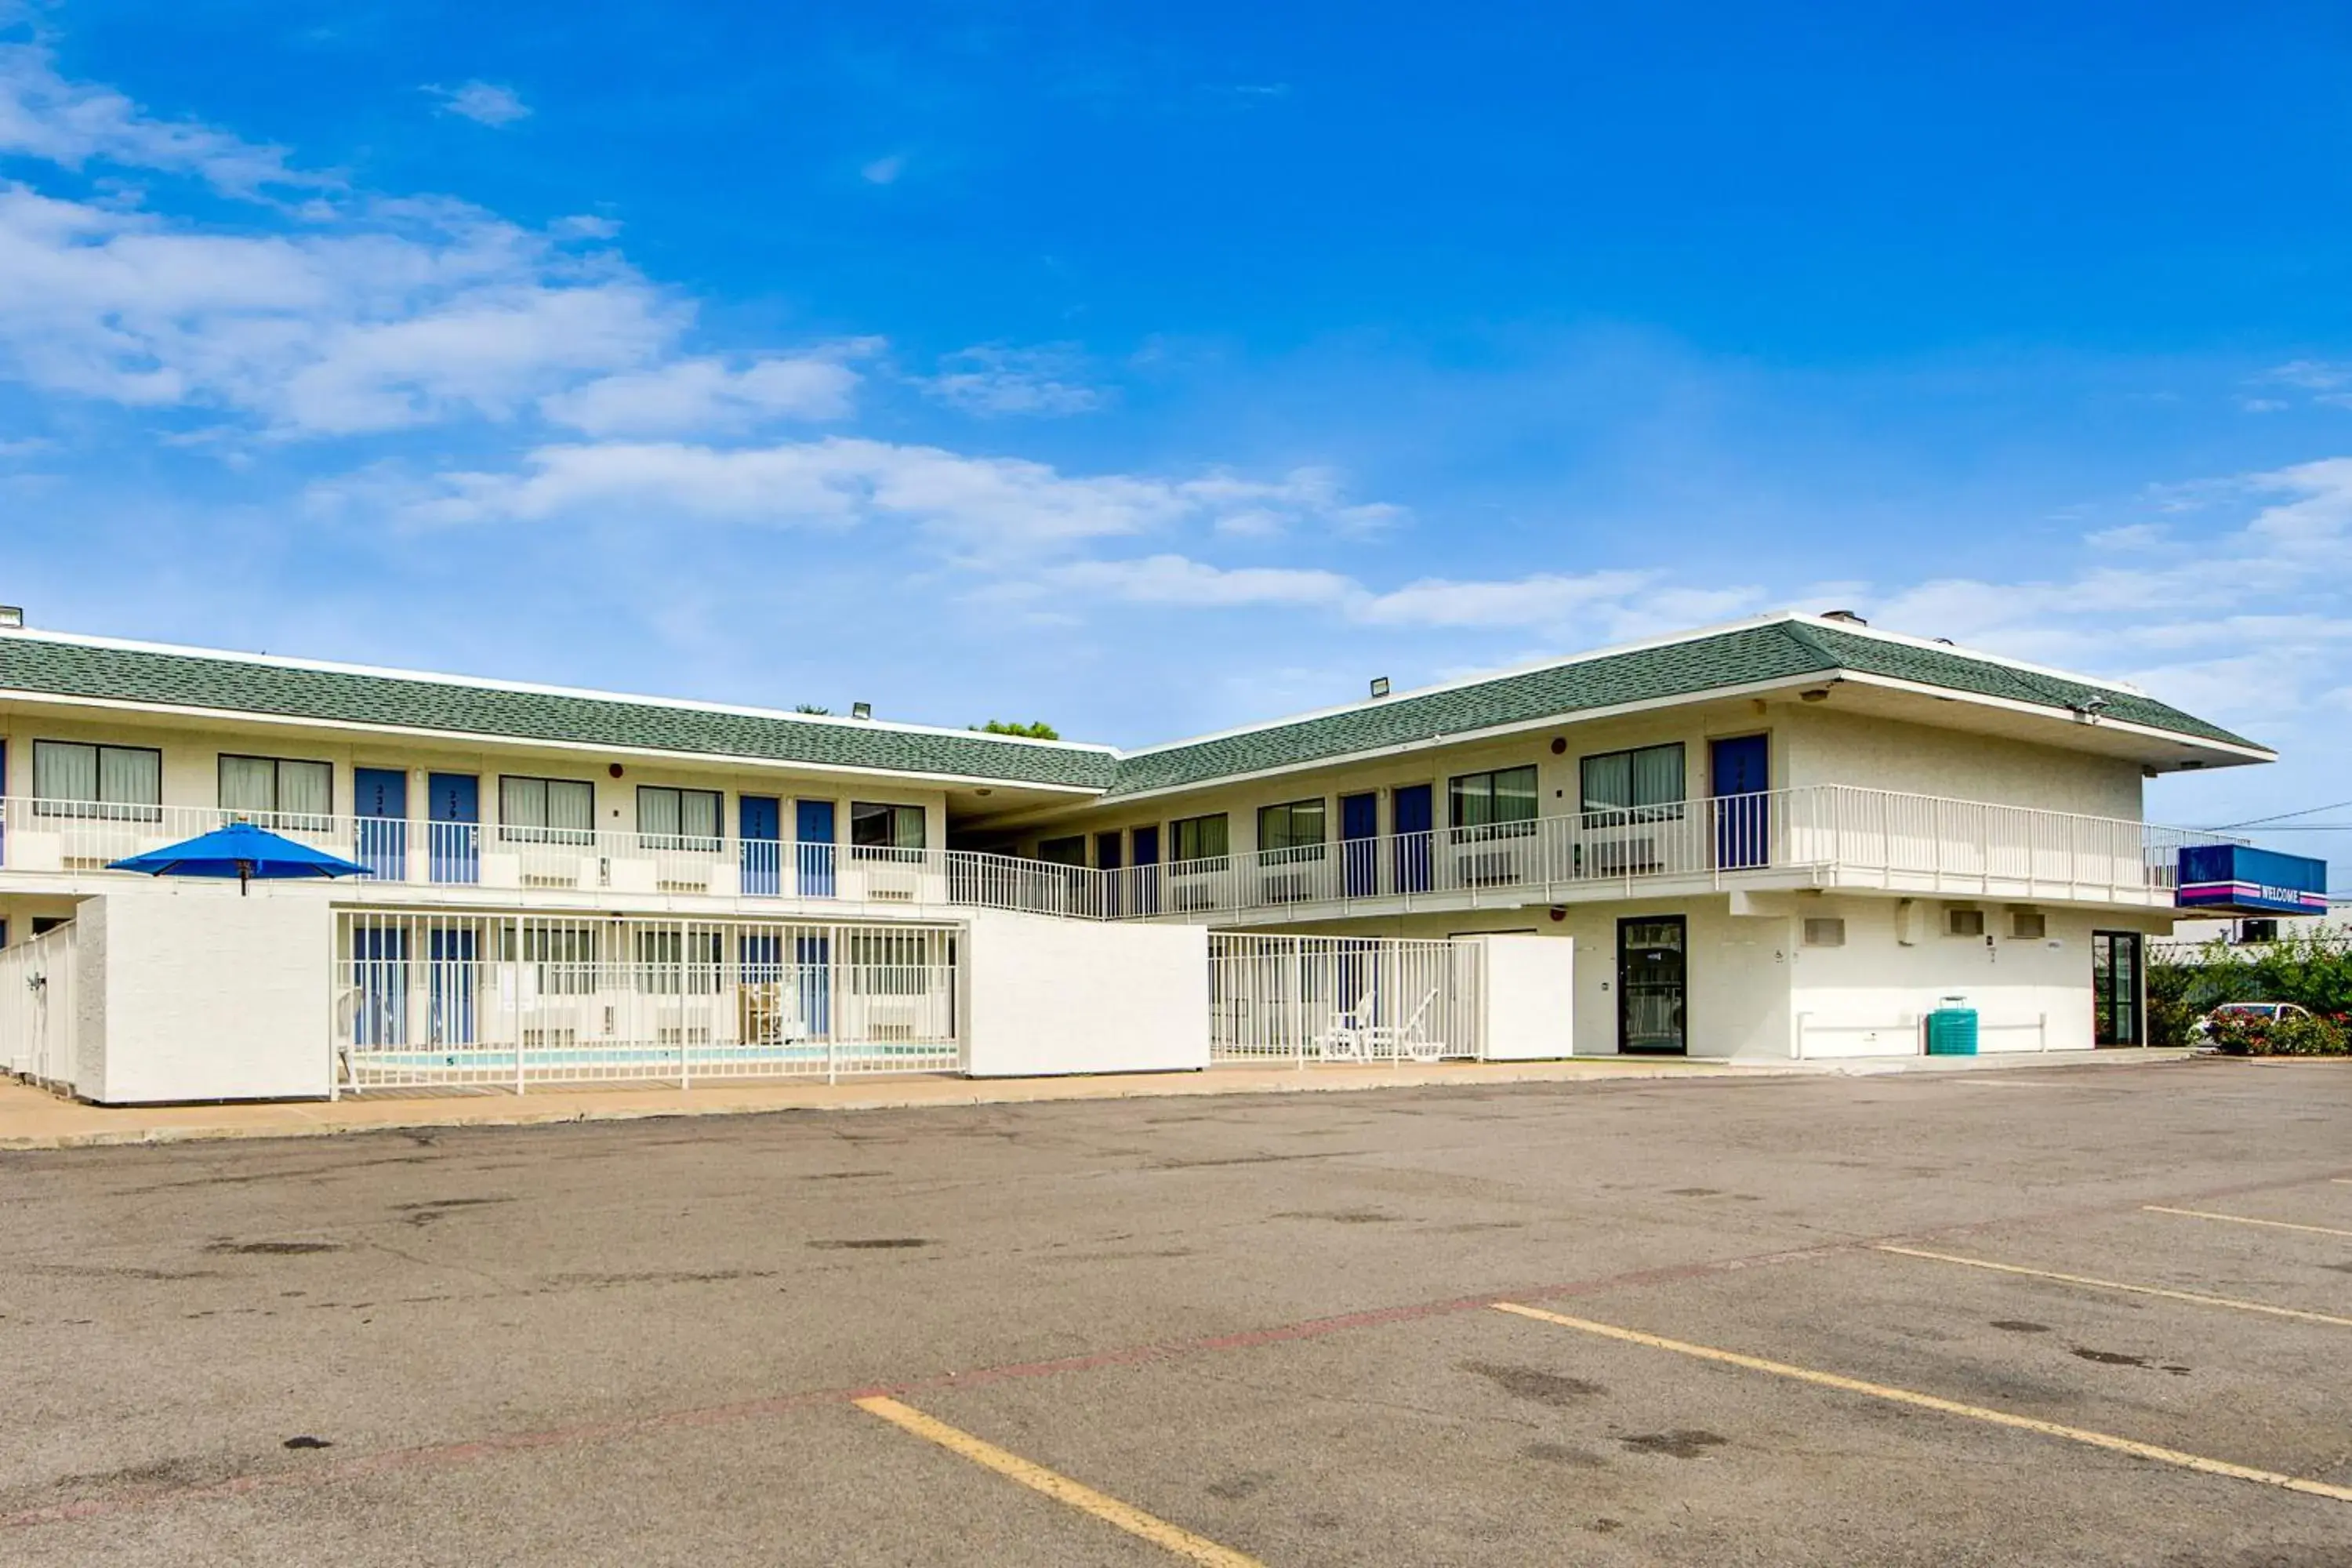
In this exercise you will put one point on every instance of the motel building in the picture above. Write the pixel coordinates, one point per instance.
(1792, 837)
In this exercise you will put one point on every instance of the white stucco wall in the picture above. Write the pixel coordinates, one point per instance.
(1048, 997)
(190, 991)
(1867, 997)
(1822, 745)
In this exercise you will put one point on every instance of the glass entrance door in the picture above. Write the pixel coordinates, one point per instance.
(2118, 1017)
(1651, 984)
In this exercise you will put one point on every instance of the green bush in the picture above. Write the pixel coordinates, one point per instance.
(2300, 1035)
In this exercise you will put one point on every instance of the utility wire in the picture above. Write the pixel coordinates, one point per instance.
(2284, 815)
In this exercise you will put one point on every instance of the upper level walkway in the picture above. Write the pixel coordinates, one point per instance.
(1832, 836)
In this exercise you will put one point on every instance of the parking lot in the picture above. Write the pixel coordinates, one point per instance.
(2095, 1314)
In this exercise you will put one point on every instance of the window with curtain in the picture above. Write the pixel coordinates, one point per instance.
(672, 962)
(678, 818)
(563, 957)
(883, 832)
(123, 784)
(1642, 786)
(277, 787)
(1498, 804)
(1199, 839)
(546, 811)
(1292, 831)
(1070, 851)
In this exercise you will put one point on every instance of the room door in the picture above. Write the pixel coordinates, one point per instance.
(1739, 773)
(1145, 878)
(380, 801)
(1652, 976)
(759, 826)
(1359, 863)
(454, 833)
(1415, 816)
(813, 830)
(2118, 1015)
(1107, 858)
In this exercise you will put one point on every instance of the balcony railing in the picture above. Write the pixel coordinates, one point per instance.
(80, 837)
(1826, 834)
(1823, 835)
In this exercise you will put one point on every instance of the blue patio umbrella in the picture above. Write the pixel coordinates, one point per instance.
(243, 851)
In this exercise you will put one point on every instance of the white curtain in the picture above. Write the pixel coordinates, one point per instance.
(571, 805)
(658, 813)
(698, 812)
(64, 772)
(307, 789)
(248, 784)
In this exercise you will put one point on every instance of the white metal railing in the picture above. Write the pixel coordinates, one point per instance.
(84, 837)
(508, 1000)
(1833, 834)
(1297, 999)
(39, 1025)
(1839, 834)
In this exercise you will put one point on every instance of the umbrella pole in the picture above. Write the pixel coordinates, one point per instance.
(245, 878)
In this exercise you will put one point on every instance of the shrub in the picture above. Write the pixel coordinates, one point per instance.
(2308, 1035)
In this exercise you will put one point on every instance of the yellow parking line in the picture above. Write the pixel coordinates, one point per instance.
(1946, 1406)
(2196, 1296)
(2248, 1219)
(1059, 1486)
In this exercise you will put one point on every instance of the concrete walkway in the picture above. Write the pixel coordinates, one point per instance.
(32, 1117)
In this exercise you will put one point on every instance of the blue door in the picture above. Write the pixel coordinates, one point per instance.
(449, 986)
(1360, 862)
(380, 801)
(812, 956)
(813, 828)
(759, 823)
(1145, 878)
(1415, 817)
(1740, 774)
(380, 978)
(454, 837)
(1107, 858)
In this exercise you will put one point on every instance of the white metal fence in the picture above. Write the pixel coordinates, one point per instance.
(1325, 998)
(512, 1000)
(86, 836)
(1835, 833)
(39, 1022)
(1851, 835)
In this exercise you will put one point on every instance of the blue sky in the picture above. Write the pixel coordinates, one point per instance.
(1148, 371)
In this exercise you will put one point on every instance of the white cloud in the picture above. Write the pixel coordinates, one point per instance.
(1192, 584)
(884, 171)
(2310, 374)
(991, 379)
(399, 314)
(73, 124)
(485, 103)
(707, 396)
(986, 512)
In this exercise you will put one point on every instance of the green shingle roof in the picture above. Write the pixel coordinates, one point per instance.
(34, 664)
(1779, 650)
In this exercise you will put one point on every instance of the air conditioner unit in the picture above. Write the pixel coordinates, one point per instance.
(1287, 889)
(1187, 894)
(1621, 857)
(1485, 866)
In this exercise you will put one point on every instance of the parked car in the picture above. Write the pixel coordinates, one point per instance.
(2250, 1013)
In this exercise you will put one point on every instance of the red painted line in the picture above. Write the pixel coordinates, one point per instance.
(438, 1455)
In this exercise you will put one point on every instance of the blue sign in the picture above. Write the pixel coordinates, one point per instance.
(2237, 880)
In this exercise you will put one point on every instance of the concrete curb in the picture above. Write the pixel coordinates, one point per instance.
(32, 1119)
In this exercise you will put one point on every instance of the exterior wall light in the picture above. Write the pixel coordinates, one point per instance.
(861, 710)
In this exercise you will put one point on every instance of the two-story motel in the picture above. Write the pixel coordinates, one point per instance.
(1794, 835)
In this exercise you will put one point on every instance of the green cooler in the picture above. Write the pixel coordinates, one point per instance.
(1952, 1032)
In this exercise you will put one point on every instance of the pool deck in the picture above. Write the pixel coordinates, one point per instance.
(33, 1117)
